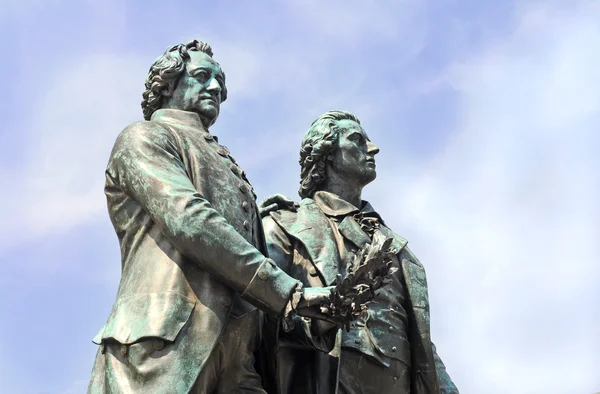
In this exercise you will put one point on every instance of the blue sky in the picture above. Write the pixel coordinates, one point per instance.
(487, 114)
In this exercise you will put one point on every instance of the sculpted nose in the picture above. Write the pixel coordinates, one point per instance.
(372, 148)
(214, 87)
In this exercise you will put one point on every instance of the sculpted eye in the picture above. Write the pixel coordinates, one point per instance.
(201, 75)
(357, 138)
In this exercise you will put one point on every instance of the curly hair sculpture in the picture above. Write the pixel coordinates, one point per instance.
(319, 142)
(165, 72)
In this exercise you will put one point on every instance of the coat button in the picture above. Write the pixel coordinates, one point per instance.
(246, 225)
(391, 328)
(393, 348)
(208, 137)
(235, 169)
(223, 151)
(263, 273)
(244, 188)
(246, 206)
(313, 271)
(123, 350)
(226, 301)
(158, 344)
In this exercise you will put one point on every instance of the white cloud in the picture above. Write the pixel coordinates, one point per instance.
(507, 219)
(352, 24)
(78, 116)
(319, 61)
(77, 386)
(20, 8)
(85, 104)
(296, 62)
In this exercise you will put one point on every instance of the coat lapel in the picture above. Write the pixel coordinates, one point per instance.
(425, 378)
(416, 284)
(352, 232)
(310, 226)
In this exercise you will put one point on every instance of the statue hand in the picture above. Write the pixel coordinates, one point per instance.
(310, 306)
(275, 202)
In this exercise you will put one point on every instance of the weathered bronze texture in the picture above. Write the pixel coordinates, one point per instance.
(365, 274)
(193, 264)
(388, 349)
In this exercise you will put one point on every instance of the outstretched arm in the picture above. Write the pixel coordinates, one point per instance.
(148, 166)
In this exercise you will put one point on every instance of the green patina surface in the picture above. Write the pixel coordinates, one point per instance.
(193, 250)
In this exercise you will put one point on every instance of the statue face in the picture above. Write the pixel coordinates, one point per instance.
(199, 88)
(354, 159)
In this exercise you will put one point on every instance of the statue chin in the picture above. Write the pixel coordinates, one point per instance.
(369, 177)
(208, 118)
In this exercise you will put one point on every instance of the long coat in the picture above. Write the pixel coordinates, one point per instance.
(301, 362)
(187, 225)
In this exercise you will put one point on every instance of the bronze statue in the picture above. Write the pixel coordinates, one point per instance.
(388, 349)
(194, 270)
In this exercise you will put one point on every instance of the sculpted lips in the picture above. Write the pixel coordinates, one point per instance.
(209, 98)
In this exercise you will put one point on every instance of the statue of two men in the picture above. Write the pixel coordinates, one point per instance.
(210, 301)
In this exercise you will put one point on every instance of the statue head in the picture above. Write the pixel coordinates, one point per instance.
(336, 145)
(186, 77)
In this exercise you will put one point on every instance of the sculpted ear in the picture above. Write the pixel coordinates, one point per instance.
(168, 91)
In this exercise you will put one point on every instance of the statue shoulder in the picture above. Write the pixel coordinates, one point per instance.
(288, 207)
(408, 254)
(283, 212)
(399, 243)
(144, 130)
(304, 215)
(278, 205)
(143, 135)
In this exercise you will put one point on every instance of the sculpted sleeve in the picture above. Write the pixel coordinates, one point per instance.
(447, 386)
(147, 165)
